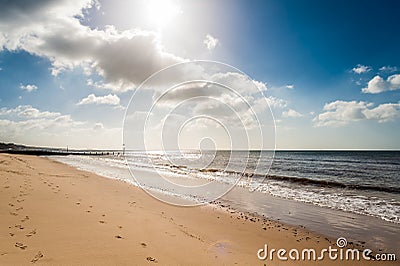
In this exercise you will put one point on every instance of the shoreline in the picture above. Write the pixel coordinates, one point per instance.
(52, 213)
(364, 231)
(367, 231)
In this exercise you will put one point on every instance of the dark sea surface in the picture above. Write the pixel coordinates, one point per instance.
(364, 182)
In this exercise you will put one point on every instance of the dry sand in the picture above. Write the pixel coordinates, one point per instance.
(51, 213)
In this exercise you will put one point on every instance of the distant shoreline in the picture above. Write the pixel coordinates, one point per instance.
(44, 152)
(6, 147)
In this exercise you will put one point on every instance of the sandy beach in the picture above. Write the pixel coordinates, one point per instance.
(54, 214)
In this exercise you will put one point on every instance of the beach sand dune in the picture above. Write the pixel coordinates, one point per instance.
(51, 213)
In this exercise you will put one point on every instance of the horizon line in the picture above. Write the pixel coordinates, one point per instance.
(283, 149)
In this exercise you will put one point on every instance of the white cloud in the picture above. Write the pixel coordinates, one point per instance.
(211, 42)
(377, 84)
(26, 111)
(291, 113)
(28, 125)
(290, 86)
(110, 99)
(232, 85)
(52, 29)
(115, 86)
(28, 87)
(384, 112)
(202, 98)
(241, 104)
(394, 82)
(98, 126)
(275, 102)
(34, 118)
(388, 69)
(123, 58)
(360, 69)
(340, 113)
(239, 82)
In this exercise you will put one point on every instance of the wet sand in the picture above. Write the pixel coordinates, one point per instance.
(365, 231)
(51, 213)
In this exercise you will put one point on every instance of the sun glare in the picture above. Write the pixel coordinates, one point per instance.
(161, 12)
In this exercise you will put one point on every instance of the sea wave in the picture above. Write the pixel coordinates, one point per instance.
(378, 201)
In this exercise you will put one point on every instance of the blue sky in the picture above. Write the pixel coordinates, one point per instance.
(330, 69)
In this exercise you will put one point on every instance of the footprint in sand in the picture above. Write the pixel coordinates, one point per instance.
(31, 233)
(102, 222)
(37, 257)
(143, 244)
(11, 234)
(25, 219)
(20, 208)
(20, 245)
(19, 226)
(118, 237)
(151, 259)
(168, 233)
(14, 213)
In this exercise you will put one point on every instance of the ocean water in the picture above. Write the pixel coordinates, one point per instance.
(361, 182)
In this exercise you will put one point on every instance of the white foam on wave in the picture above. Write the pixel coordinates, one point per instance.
(335, 198)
